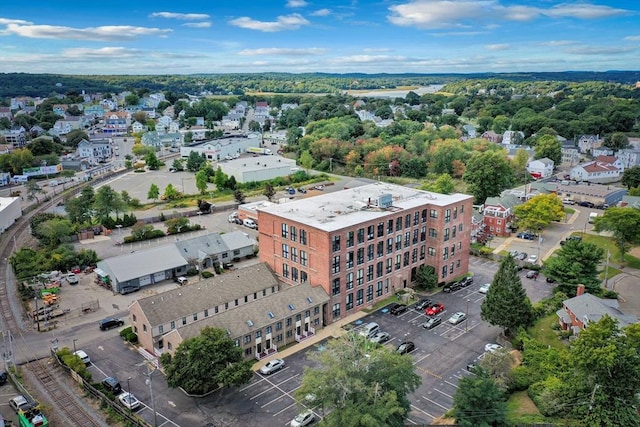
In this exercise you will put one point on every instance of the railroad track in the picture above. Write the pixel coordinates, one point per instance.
(63, 399)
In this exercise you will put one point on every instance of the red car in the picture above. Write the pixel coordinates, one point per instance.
(435, 309)
(76, 270)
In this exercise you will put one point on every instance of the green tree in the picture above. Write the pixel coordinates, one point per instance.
(575, 263)
(519, 164)
(616, 141)
(624, 223)
(607, 362)
(500, 124)
(141, 150)
(506, 303)
(426, 277)
(202, 180)
(443, 184)
(306, 160)
(239, 196)
(539, 211)
(203, 363)
(195, 161)
(76, 136)
(170, 192)
(358, 383)
(33, 189)
(487, 174)
(178, 164)
(631, 177)
(106, 201)
(78, 211)
(152, 161)
(176, 225)
(220, 179)
(54, 231)
(548, 146)
(479, 402)
(132, 99)
(140, 230)
(154, 192)
(269, 192)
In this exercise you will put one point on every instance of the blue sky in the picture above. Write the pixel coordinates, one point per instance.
(335, 36)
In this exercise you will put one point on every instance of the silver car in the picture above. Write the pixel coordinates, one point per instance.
(457, 318)
(380, 337)
(273, 366)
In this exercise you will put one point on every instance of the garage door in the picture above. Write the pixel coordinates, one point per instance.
(159, 277)
(145, 280)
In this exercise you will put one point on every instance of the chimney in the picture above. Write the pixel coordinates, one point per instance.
(580, 290)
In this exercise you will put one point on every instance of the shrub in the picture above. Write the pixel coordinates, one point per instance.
(192, 271)
(132, 337)
(520, 379)
(207, 274)
(126, 331)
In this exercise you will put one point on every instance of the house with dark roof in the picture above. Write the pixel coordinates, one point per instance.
(499, 215)
(256, 310)
(631, 201)
(577, 312)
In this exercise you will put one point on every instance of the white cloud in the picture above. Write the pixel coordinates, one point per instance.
(437, 14)
(367, 59)
(283, 51)
(104, 33)
(499, 46)
(285, 22)
(104, 52)
(181, 16)
(599, 50)
(7, 21)
(197, 24)
(296, 3)
(557, 43)
(632, 38)
(321, 12)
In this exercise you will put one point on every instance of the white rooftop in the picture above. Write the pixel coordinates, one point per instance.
(337, 210)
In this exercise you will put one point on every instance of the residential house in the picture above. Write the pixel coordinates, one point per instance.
(36, 131)
(510, 137)
(150, 112)
(477, 226)
(512, 150)
(499, 214)
(158, 140)
(570, 155)
(94, 110)
(163, 124)
(586, 143)
(629, 157)
(137, 127)
(16, 136)
(258, 312)
(94, 151)
(60, 109)
(469, 130)
(116, 123)
(364, 244)
(602, 169)
(540, 168)
(577, 312)
(5, 112)
(631, 201)
(601, 151)
(491, 136)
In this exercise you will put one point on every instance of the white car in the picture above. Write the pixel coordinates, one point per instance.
(72, 279)
(484, 288)
(533, 259)
(457, 318)
(492, 348)
(129, 401)
(303, 419)
(83, 356)
(273, 366)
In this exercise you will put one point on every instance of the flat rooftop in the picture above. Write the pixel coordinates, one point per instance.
(334, 211)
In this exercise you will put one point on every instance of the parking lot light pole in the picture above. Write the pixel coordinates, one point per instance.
(466, 319)
(129, 391)
(74, 346)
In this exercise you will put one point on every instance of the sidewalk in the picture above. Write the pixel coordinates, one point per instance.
(332, 330)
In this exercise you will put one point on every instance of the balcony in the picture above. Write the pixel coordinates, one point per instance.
(267, 353)
(304, 335)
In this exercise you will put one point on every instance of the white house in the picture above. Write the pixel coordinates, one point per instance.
(587, 142)
(541, 168)
(603, 169)
(512, 137)
(629, 157)
(94, 151)
(570, 156)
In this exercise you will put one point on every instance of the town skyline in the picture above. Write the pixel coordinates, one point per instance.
(298, 36)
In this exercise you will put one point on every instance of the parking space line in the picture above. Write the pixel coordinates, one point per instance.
(421, 359)
(273, 385)
(255, 383)
(451, 384)
(281, 411)
(433, 417)
(411, 421)
(428, 372)
(442, 392)
(435, 403)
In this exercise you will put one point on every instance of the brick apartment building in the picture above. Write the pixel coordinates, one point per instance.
(363, 244)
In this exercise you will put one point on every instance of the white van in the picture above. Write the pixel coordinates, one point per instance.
(369, 330)
(250, 223)
(83, 356)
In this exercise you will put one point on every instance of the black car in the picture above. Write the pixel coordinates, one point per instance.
(452, 287)
(550, 280)
(397, 309)
(526, 236)
(466, 281)
(112, 384)
(110, 322)
(406, 347)
(586, 204)
(422, 304)
(432, 322)
(3, 377)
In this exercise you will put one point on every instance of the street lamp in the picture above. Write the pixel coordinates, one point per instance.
(74, 345)
(149, 382)
(129, 391)
(466, 319)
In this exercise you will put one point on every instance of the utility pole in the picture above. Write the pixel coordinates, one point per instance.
(606, 271)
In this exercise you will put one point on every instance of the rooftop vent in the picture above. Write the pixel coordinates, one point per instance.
(309, 300)
(271, 315)
(250, 323)
(291, 307)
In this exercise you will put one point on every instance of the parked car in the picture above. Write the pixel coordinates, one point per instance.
(76, 269)
(318, 187)
(129, 401)
(380, 337)
(514, 254)
(290, 190)
(550, 280)
(457, 318)
(423, 304)
(72, 278)
(568, 201)
(181, 280)
(83, 356)
(112, 384)
(466, 281)
(492, 347)
(533, 259)
(484, 288)
(303, 419)
(19, 403)
(302, 190)
(435, 309)
(586, 204)
(526, 236)
(397, 309)
(273, 366)
(532, 274)
(571, 238)
(3, 377)
(110, 322)
(406, 347)
(522, 256)
(452, 287)
(432, 322)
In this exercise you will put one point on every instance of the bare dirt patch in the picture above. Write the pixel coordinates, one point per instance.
(635, 252)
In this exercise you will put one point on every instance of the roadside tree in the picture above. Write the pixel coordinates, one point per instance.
(357, 383)
(202, 180)
(239, 196)
(616, 141)
(548, 146)
(154, 192)
(152, 161)
(170, 192)
(624, 223)
(195, 161)
(203, 363)
(426, 277)
(107, 201)
(443, 184)
(575, 263)
(479, 401)
(306, 160)
(539, 211)
(269, 192)
(178, 165)
(54, 231)
(33, 189)
(506, 303)
(487, 174)
(631, 177)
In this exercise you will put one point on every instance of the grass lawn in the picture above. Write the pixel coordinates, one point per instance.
(541, 331)
(521, 408)
(607, 243)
